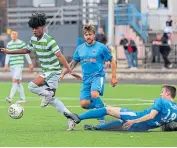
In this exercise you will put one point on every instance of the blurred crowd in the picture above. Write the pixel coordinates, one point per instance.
(130, 51)
(161, 46)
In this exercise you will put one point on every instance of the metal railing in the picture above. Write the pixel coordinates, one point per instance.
(128, 14)
(59, 15)
(146, 62)
(125, 14)
(149, 63)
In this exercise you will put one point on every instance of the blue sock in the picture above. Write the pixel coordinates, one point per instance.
(113, 125)
(95, 113)
(98, 104)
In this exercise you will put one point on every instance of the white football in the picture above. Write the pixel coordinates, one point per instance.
(15, 111)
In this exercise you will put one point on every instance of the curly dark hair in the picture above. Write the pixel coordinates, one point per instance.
(37, 19)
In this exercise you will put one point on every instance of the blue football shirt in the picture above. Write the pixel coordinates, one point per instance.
(167, 112)
(92, 59)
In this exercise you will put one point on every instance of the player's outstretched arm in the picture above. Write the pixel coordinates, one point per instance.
(20, 51)
(147, 117)
(62, 59)
(114, 77)
(72, 65)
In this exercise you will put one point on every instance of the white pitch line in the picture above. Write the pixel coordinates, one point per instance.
(76, 106)
(76, 99)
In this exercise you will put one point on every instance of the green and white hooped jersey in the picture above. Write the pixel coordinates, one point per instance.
(16, 59)
(46, 49)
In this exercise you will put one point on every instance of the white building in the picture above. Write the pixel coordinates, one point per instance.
(158, 11)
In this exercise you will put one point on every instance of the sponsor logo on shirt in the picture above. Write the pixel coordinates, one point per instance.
(89, 60)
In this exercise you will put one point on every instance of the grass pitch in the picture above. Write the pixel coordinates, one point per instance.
(46, 127)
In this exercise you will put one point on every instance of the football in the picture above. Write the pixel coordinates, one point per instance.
(15, 111)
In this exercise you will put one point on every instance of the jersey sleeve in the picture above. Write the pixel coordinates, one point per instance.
(106, 54)
(158, 104)
(53, 46)
(30, 46)
(76, 56)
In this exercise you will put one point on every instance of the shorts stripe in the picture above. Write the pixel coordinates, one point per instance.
(128, 113)
(101, 80)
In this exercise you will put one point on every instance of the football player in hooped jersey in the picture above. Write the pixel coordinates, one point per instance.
(16, 64)
(163, 111)
(50, 56)
(92, 55)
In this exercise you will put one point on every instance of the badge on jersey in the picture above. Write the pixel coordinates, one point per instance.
(94, 51)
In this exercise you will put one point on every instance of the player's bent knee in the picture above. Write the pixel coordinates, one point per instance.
(94, 94)
(84, 104)
(16, 81)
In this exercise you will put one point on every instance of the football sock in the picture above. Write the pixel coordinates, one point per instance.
(98, 104)
(21, 91)
(113, 125)
(60, 107)
(13, 90)
(38, 90)
(95, 113)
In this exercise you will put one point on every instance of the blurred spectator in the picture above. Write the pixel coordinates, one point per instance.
(163, 3)
(155, 50)
(101, 37)
(169, 27)
(164, 49)
(124, 43)
(133, 53)
(2, 55)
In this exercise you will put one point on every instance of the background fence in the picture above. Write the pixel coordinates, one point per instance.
(145, 63)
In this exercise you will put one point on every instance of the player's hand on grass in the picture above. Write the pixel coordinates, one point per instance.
(4, 50)
(128, 124)
(114, 81)
(78, 77)
(31, 67)
(6, 68)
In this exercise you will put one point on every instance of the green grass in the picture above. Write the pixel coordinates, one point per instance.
(46, 127)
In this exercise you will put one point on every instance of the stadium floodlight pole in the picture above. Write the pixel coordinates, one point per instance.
(111, 22)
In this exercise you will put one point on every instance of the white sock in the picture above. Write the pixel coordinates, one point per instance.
(21, 91)
(13, 90)
(60, 107)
